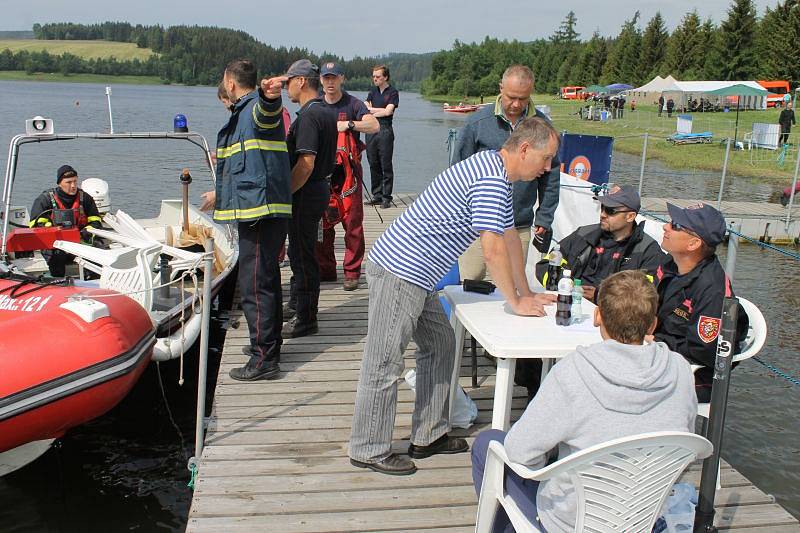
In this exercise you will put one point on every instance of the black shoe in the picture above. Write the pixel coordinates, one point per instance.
(375, 201)
(294, 328)
(386, 204)
(394, 465)
(254, 370)
(443, 444)
(288, 312)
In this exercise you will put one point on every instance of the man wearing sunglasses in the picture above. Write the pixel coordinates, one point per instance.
(617, 243)
(691, 287)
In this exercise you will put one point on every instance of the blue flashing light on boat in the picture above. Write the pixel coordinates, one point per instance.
(180, 124)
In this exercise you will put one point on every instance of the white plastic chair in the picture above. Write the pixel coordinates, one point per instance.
(125, 270)
(756, 337)
(620, 485)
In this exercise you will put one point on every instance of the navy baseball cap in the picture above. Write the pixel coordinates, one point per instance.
(621, 196)
(331, 68)
(302, 68)
(702, 219)
(65, 171)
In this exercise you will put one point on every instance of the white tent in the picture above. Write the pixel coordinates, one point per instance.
(681, 91)
(698, 89)
(649, 92)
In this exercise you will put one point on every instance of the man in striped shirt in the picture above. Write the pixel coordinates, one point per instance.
(470, 200)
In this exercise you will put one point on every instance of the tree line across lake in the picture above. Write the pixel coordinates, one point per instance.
(196, 55)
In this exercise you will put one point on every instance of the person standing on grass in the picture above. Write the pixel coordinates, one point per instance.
(786, 120)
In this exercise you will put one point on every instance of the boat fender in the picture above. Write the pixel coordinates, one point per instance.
(87, 309)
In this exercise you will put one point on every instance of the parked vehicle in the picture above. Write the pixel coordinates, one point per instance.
(572, 92)
(778, 89)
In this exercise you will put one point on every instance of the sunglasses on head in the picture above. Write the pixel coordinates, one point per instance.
(611, 211)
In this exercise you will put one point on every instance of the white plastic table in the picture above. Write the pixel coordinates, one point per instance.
(508, 337)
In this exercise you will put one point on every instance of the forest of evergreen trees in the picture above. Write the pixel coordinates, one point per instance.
(196, 55)
(742, 47)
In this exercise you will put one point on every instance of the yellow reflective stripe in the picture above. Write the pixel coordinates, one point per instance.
(253, 212)
(252, 144)
(44, 221)
(649, 277)
(261, 124)
(229, 151)
(266, 113)
(93, 219)
(260, 144)
(544, 279)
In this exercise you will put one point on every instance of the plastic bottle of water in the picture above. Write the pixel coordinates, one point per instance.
(577, 298)
(554, 269)
(564, 299)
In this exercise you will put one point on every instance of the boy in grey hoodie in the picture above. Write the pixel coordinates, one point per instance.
(613, 389)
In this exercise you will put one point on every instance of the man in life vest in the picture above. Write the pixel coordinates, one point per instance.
(691, 286)
(68, 206)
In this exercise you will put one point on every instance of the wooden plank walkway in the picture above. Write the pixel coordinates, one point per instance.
(276, 452)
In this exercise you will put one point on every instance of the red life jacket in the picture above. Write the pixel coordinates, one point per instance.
(345, 178)
(77, 207)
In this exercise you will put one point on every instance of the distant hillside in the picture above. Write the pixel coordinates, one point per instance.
(16, 34)
(82, 49)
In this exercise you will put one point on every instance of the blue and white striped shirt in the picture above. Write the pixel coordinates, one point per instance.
(422, 245)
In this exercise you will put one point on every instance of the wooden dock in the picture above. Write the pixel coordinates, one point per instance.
(276, 451)
(757, 220)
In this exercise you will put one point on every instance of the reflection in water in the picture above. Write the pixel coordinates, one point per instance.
(129, 468)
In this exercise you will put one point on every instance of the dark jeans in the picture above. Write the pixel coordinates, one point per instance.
(528, 374)
(380, 148)
(308, 204)
(260, 284)
(522, 491)
(785, 136)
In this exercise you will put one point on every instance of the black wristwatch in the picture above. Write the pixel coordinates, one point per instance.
(351, 125)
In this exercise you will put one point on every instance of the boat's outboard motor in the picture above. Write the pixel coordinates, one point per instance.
(98, 190)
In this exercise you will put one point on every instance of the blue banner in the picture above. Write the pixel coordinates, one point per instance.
(586, 157)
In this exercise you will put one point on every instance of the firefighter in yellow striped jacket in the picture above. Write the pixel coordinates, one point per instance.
(253, 190)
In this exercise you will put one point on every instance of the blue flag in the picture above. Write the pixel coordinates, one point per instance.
(586, 157)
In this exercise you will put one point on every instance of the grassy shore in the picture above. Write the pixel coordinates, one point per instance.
(19, 75)
(84, 49)
(628, 135)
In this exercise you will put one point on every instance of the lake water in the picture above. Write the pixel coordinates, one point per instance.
(128, 468)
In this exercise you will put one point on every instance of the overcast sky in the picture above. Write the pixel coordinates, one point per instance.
(366, 28)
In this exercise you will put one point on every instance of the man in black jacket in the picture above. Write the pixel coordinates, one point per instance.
(691, 287)
(786, 119)
(617, 243)
(595, 252)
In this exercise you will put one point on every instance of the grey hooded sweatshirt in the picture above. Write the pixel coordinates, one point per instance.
(596, 394)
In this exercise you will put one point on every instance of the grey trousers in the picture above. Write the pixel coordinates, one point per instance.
(398, 312)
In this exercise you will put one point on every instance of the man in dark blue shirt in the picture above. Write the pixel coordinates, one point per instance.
(354, 117)
(382, 101)
(312, 150)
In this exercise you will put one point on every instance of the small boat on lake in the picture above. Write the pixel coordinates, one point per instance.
(71, 348)
(460, 108)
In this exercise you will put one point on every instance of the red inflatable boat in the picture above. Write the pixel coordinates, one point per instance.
(65, 360)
